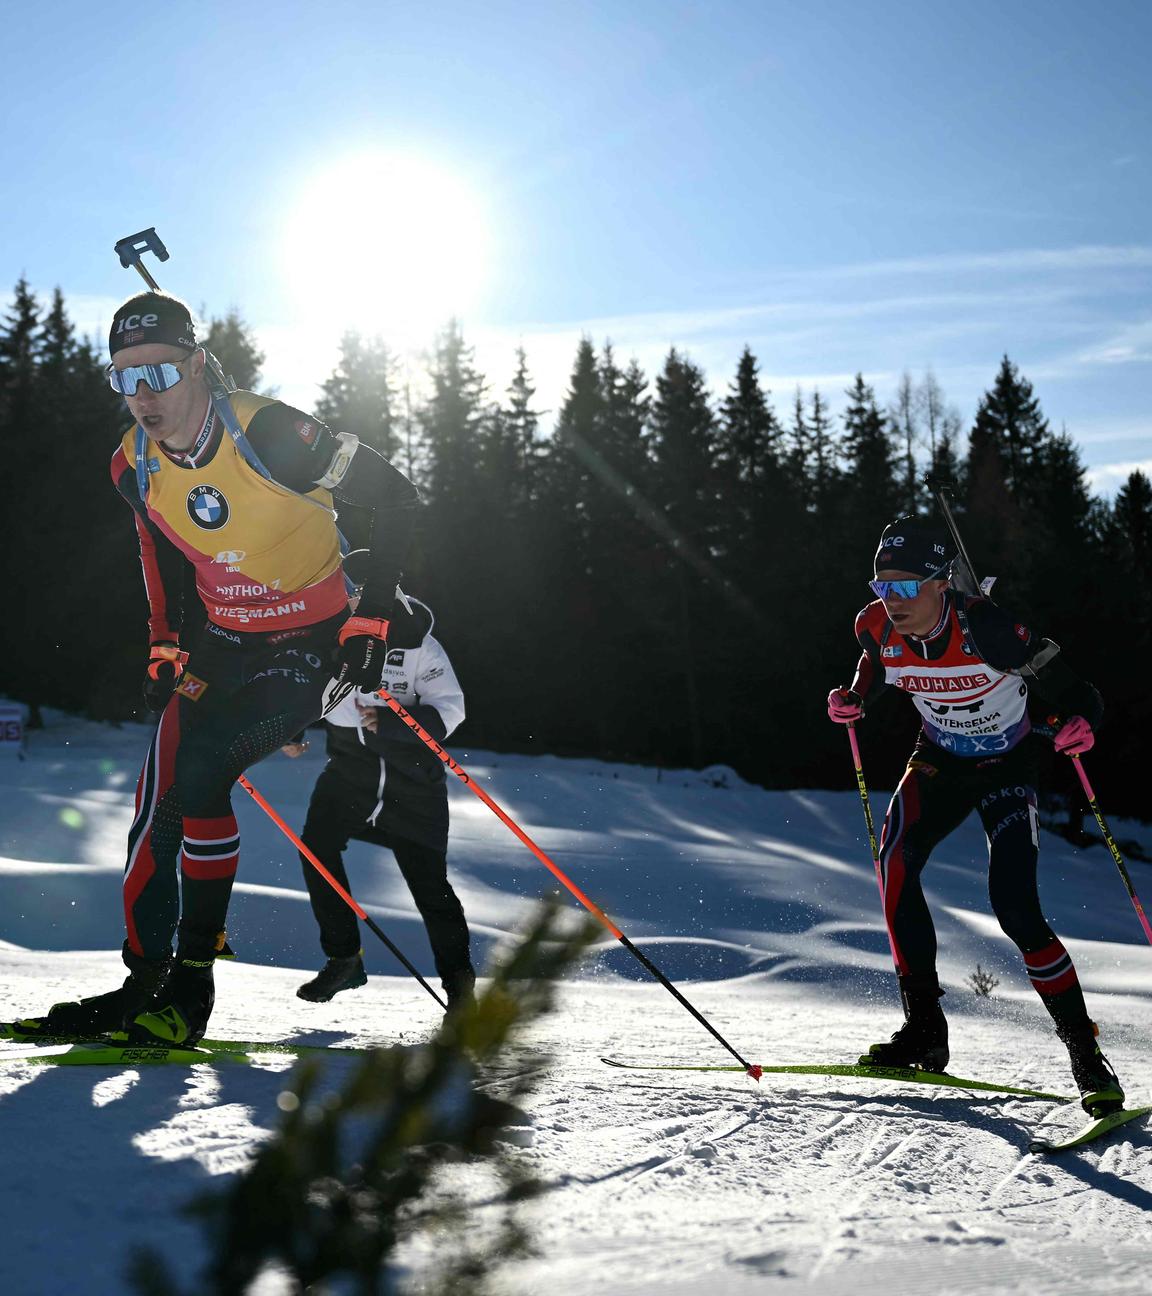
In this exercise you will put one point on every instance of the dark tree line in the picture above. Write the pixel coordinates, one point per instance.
(659, 575)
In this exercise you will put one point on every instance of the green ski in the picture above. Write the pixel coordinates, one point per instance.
(1095, 1129)
(11, 1033)
(111, 1052)
(901, 1075)
(103, 1054)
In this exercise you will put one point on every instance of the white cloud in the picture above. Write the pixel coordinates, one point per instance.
(1106, 479)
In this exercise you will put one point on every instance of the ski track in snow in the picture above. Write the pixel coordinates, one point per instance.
(683, 1184)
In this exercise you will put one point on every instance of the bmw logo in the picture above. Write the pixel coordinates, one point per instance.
(207, 507)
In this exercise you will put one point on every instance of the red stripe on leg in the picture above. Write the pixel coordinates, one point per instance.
(207, 870)
(1065, 981)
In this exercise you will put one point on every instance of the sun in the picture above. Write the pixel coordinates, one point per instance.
(387, 243)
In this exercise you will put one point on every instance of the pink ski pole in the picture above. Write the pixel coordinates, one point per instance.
(1110, 841)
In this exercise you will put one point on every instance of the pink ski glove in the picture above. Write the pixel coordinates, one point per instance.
(1075, 737)
(844, 706)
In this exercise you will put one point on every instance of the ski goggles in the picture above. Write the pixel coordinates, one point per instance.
(160, 377)
(904, 589)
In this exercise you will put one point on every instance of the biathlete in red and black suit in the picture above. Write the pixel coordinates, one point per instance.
(969, 669)
(237, 490)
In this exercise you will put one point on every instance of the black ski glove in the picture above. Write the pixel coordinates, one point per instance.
(165, 666)
(360, 657)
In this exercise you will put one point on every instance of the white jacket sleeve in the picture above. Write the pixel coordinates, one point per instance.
(436, 685)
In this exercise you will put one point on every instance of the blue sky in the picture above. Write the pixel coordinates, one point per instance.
(883, 187)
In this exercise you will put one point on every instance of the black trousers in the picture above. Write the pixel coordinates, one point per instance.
(329, 827)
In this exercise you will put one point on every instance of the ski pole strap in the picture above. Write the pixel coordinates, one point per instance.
(1110, 842)
(162, 653)
(358, 625)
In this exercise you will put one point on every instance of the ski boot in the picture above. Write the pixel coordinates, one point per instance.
(1100, 1089)
(180, 1013)
(460, 990)
(922, 1042)
(98, 1015)
(336, 975)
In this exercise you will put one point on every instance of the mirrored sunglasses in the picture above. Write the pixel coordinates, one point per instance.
(904, 589)
(160, 377)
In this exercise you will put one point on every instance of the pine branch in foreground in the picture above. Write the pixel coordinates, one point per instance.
(350, 1175)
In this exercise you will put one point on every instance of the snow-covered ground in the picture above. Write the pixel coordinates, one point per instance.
(765, 902)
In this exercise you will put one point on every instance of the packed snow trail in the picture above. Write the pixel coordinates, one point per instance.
(655, 1182)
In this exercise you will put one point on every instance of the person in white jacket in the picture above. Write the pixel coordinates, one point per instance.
(383, 786)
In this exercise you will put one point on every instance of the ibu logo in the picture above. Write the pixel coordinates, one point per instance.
(207, 507)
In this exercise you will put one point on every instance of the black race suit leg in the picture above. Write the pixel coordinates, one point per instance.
(926, 806)
(151, 888)
(242, 698)
(1008, 812)
(280, 692)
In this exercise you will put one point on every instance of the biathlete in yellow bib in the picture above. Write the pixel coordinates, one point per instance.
(234, 492)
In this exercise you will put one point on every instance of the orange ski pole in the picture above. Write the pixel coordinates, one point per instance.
(342, 892)
(565, 881)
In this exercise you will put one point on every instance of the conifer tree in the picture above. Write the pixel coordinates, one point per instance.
(797, 451)
(749, 434)
(945, 465)
(868, 453)
(1132, 525)
(1010, 418)
(234, 344)
(686, 492)
(1062, 558)
(824, 450)
(22, 457)
(359, 396)
(451, 421)
(684, 449)
(18, 342)
(570, 471)
(523, 423)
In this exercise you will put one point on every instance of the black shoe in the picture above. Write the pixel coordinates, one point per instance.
(1100, 1089)
(180, 1014)
(336, 975)
(922, 1041)
(99, 1014)
(460, 990)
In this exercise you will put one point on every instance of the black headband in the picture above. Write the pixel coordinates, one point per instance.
(151, 317)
